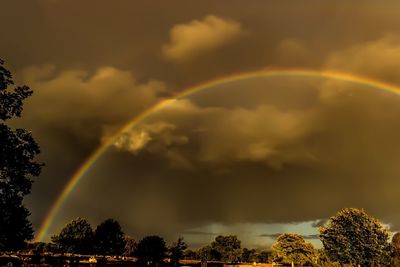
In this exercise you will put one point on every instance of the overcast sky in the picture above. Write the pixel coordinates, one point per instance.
(255, 158)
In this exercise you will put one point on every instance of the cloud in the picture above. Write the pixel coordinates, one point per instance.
(379, 59)
(147, 136)
(292, 52)
(77, 99)
(259, 134)
(70, 114)
(319, 223)
(199, 37)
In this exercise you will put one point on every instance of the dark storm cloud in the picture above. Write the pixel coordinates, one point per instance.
(261, 151)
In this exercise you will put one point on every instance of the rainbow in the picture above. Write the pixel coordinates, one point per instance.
(89, 162)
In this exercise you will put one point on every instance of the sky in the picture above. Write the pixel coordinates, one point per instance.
(254, 157)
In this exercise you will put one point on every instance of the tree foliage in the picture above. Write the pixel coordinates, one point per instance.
(109, 238)
(207, 253)
(353, 237)
(176, 251)
(248, 255)
(75, 237)
(151, 250)
(18, 150)
(229, 247)
(292, 248)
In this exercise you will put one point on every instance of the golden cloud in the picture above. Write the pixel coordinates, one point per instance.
(198, 37)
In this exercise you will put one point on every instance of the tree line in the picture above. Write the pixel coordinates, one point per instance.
(351, 237)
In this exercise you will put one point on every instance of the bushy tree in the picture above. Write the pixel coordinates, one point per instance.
(292, 248)
(229, 247)
(75, 237)
(18, 150)
(207, 253)
(109, 238)
(353, 237)
(151, 250)
(176, 251)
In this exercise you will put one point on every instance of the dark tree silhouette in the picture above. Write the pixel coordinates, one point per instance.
(18, 150)
(75, 237)
(109, 238)
(151, 250)
(176, 251)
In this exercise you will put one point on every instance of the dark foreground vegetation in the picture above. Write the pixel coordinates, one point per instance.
(351, 237)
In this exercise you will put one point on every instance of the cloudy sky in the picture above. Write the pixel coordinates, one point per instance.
(254, 157)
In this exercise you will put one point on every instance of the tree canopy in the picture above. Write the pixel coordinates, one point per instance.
(354, 237)
(229, 247)
(151, 250)
(75, 237)
(109, 238)
(176, 251)
(292, 248)
(18, 150)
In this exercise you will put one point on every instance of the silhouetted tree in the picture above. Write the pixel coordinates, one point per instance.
(354, 237)
(75, 237)
(151, 250)
(292, 248)
(130, 246)
(109, 238)
(229, 247)
(176, 251)
(18, 150)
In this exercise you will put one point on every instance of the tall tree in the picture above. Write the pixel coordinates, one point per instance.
(354, 237)
(293, 248)
(18, 150)
(176, 251)
(229, 247)
(109, 238)
(151, 250)
(75, 237)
